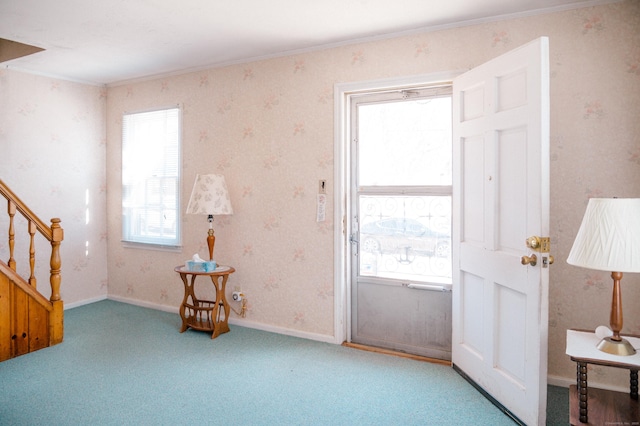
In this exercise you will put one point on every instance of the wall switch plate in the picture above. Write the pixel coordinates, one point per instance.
(321, 207)
(322, 186)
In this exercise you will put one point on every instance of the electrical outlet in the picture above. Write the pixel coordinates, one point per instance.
(237, 296)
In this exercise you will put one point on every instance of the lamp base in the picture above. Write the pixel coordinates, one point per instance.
(615, 347)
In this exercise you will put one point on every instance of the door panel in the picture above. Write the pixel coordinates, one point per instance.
(510, 332)
(511, 194)
(403, 319)
(471, 289)
(473, 180)
(501, 197)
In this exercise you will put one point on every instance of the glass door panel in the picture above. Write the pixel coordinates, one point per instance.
(405, 143)
(406, 237)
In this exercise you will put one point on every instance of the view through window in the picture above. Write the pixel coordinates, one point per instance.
(404, 186)
(151, 177)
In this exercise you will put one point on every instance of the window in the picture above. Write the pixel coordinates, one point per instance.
(151, 177)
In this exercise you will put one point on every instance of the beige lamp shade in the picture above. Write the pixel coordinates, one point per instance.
(209, 196)
(609, 236)
(609, 240)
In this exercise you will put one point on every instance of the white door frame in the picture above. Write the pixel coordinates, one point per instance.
(342, 159)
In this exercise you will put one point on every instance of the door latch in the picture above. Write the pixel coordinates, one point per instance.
(355, 242)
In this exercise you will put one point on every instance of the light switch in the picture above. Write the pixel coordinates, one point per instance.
(322, 187)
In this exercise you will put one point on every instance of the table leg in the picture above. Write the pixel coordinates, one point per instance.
(220, 326)
(583, 396)
(634, 384)
(225, 306)
(184, 302)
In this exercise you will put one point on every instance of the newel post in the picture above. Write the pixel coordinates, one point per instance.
(57, 234)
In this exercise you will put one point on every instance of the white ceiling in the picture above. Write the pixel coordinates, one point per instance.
(111, 41)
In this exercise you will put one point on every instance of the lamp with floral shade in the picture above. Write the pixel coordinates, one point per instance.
(211, 197)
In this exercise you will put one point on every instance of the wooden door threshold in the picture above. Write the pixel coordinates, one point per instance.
(396, 353)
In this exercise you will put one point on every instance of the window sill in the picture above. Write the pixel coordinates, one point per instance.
(151, 246)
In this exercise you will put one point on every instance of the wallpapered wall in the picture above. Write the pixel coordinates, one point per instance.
(268, 127)
(52, 156)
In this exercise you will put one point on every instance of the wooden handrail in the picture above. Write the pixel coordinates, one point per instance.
(26, 211)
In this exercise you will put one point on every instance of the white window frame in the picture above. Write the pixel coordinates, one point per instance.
(151, 178)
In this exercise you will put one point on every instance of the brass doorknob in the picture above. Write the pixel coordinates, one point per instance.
(529, 260)
(533, 242)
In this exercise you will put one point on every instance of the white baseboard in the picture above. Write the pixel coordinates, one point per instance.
(234, 321)
(563, 382)
(84, 302)
(166, 308)
(282, 330)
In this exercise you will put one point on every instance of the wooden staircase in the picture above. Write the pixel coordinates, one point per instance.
(28, 321)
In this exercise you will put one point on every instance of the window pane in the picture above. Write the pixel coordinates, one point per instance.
(150, 177)
(405, 143)
(406, 237)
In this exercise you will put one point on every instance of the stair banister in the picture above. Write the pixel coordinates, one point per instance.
(28, 321)
(54, 234)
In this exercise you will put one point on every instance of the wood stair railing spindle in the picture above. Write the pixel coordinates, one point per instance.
(12, 234)
(32, 254)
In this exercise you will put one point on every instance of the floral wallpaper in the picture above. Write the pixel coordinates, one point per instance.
(52, 156)
(267, 126)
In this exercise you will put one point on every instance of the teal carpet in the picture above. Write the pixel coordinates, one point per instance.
(126, 365)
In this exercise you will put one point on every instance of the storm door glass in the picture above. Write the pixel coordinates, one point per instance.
(404, 179)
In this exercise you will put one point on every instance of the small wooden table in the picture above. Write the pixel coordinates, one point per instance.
(598, 406)
(206, 315)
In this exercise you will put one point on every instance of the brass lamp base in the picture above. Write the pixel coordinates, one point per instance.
(616, 347)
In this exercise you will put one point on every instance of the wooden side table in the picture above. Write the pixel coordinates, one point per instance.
(598, 406)
(206, 315)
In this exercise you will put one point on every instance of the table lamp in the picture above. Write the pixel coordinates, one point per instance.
(609, 240)
(210, 197)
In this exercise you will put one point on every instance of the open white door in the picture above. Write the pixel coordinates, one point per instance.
(500, 199)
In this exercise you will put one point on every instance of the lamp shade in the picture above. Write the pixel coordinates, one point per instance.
(209, 196)
(609, 236)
